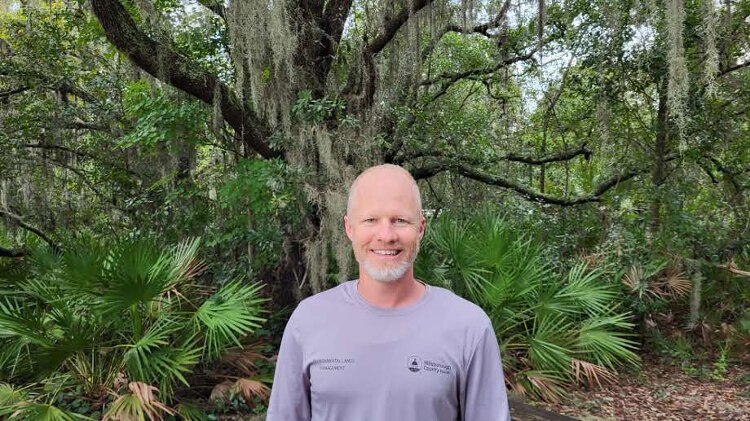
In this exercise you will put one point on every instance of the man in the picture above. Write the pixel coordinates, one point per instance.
(387, 346)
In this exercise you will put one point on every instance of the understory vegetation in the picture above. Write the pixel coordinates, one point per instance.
(120, 324)
(173, 176)
(557, 325)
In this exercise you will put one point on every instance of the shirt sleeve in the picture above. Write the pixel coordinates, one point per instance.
(483, 396)
(290, 392)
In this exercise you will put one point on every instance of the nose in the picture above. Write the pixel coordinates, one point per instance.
(387, 232)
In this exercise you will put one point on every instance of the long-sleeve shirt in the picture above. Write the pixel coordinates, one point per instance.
(343, 359)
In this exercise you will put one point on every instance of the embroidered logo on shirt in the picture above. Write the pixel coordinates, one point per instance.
(415, 365)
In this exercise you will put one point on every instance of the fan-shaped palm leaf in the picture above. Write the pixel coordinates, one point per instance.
(140, 404)
(139, 356)
(585, 291)
(602, 339)
(591, 374)
(32, 411)
(230, 314)
(549, 344)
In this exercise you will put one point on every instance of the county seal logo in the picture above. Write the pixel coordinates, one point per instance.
(414, 364)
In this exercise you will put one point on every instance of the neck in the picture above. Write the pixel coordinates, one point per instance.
(399, 293)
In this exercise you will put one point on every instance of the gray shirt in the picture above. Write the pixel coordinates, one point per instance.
(344, 359)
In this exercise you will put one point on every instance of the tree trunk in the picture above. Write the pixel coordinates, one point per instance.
(658, 174)
(695, 295)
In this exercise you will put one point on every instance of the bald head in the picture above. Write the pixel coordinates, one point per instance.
(379, 177)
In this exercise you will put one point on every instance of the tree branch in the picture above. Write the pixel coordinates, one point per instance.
(393, 23)
(562, 156)
(56, 147)
(15, 91)
(78, 124)
(21, 223)
(534, 196)
(333, 22)
(528, 193)
(78, 153)
(166, 64)
(451, 78)
(478, 29)
(321, 26)
(737, 66)
(525, 159)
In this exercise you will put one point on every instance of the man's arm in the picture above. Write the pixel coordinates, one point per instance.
(290, 393)
(483, 397)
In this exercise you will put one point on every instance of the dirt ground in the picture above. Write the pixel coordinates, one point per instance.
(665, 392)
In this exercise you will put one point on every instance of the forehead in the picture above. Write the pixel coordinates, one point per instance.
(385, 190)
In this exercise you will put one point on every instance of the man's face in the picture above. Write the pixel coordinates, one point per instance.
(384, 224)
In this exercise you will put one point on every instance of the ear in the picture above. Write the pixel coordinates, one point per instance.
(348, 227)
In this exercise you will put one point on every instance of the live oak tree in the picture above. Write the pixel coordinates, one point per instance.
(444, 88)
(346, 67)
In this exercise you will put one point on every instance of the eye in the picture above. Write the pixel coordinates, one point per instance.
(401, 221)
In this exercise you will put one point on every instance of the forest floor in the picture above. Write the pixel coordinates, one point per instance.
(661, 391)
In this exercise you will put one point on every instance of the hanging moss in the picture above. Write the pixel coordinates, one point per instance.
(603, 117)
(711, 63)
(263, 46)
(677, 88)
(330, 154)
(4, 188)
(217, 120)
(327, 189)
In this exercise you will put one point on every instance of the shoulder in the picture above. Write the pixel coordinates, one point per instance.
(323, 302)
(459, 309)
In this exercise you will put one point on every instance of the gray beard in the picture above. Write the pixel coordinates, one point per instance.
(387, 275)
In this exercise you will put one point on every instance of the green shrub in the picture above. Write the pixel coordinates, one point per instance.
(555, 327)
(104, 317)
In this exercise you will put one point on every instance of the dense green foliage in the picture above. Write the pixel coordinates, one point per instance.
(99, 316)
(556, 326)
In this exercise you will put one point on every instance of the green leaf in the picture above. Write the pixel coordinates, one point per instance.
(229, 315)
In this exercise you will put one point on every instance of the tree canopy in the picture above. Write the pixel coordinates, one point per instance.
(558, 103)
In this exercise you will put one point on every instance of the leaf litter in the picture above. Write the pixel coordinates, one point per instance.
(664, 392)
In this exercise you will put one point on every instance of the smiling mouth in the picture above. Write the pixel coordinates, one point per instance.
(386, 253)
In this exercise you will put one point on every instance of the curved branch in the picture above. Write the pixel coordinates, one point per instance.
(535, 196)
(525, 159)
(562, 156)
(80, 154)
(451, 78)
(527, 192)
(483, 29)
(6, 94)
(166, 64)
(21, 223)
(393, 23)
(737, 66)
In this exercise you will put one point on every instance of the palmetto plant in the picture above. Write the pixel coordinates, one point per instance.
(554, 328)
(109, 316)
